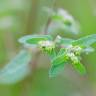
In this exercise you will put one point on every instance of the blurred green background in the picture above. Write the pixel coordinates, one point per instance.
(23, 17)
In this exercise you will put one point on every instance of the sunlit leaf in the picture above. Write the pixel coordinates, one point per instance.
(85, 41)
(17, 69)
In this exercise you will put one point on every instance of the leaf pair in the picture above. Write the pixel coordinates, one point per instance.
(62, 58)
(57, 63)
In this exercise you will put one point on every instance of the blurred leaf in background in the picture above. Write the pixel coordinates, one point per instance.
(17, 69)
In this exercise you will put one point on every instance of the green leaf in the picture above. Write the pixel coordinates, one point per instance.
(17, 69)
(79, 68)
(85, 41)
(57, 65)
(34, 39)
(56, 70)
(59, 59)
(66, 41)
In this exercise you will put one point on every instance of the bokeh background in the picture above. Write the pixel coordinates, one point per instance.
(23, 17)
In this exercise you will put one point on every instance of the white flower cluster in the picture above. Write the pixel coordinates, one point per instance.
(73, 52)
(74, 49)
(73, 57)
(46, 45)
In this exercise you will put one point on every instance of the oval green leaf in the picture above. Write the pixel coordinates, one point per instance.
(85, 41)
(34, 39)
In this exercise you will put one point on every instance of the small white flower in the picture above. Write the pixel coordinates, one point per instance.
(72, 57)
(77, 49)
(46, 45)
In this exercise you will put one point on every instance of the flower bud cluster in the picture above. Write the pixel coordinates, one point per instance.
(47, 45)
(73, 52)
